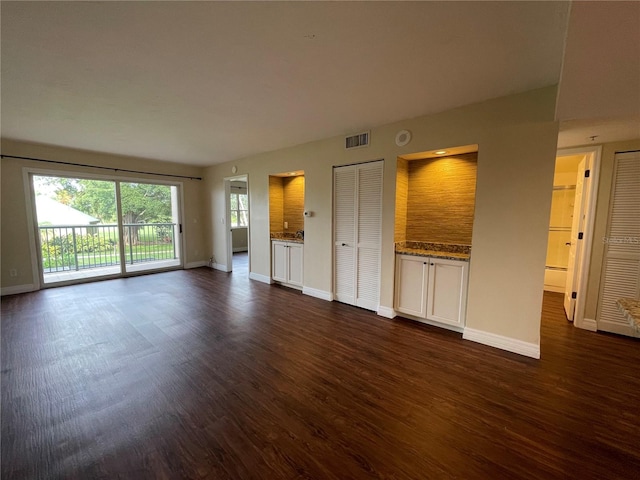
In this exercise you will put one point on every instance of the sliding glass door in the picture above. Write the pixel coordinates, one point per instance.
(150, 226)
(90, 228)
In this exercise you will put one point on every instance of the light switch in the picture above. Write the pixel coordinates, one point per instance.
(286, 225)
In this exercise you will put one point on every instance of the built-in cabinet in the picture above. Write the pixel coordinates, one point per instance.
(432, 288)
(287, 262)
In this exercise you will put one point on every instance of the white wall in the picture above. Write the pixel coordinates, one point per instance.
(517, 139)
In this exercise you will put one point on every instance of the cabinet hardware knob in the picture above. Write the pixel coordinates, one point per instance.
(344, 244)
(431, 264)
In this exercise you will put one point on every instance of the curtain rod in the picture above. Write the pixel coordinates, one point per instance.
(103, 168)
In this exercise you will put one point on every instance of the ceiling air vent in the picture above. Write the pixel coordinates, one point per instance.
(357, 141)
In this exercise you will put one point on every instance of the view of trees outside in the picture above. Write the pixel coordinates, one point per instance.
(239, 209)
(146, 217)
(141, 202)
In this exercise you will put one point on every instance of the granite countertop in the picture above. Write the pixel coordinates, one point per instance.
(630, 308)
(448, 251)
(286, 237)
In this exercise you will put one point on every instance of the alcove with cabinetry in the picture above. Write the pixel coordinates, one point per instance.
(286, 225)
(435, 204)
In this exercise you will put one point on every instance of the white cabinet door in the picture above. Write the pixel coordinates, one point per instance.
(447, 291)
(411, 291)
(294, 264)
(279, 261)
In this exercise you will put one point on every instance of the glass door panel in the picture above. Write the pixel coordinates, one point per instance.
(150, 226)
(78, 235)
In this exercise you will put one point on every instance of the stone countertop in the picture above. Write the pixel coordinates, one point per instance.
(418, 252)
(287, 239)
(630, 308)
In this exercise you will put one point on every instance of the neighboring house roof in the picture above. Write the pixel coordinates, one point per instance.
(51, 212)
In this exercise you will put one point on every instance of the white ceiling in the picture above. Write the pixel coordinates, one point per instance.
(599, 93)
(207, 82)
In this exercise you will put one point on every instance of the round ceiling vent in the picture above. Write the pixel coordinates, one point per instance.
(403, 137)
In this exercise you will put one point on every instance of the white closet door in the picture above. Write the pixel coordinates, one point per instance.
(344, 211)
(621, 272)
(357, 234)
(369, 235)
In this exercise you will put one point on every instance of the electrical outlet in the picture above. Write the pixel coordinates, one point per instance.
(286, 225)
(13, 272)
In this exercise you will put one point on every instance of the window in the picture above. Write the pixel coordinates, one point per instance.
(239, 209)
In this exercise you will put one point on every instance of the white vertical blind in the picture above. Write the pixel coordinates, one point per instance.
(621, 272)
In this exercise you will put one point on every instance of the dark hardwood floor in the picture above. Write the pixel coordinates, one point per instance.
(201, 374)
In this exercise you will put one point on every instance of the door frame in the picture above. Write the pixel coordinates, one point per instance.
(593, 159)
(228, 247)
(34, 243)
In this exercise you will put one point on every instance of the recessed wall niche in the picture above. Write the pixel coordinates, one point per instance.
(435, 198)
(286, 202)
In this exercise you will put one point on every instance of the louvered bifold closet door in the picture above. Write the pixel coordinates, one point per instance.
(357, 212)
(344, 212)
(621, 272)
(369, 235)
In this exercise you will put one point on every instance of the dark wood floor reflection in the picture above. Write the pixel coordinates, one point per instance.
(202, 374)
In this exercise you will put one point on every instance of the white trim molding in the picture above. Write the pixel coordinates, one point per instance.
(586, 324)
(260, 278)
(504, 343)
(202, 263)
(220, 266)
(321, 294)
(15, 289)
(240, 249)
(386, 312)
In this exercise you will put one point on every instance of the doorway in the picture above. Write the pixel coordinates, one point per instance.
(94, 228)
(237, 221)
(571, 229)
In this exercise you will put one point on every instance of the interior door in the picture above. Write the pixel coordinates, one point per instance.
(358, 234)
(368, 234)
(575, 250)
(621, 268)
(344, 212)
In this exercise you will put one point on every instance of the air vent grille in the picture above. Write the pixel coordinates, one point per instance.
(357, 141)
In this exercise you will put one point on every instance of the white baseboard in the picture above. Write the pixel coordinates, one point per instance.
(240, 249)
(386, 312)
(260, 278)
(220, 266)
(15, 289)
(321, 294)
(202, 263)
(587, 324)
(504, 343)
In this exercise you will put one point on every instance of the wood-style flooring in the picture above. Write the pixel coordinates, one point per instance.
(198, 374)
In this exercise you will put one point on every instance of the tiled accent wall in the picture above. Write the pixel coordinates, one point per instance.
(441, 199)
(293, 208)
(402, 190)
(276, 202)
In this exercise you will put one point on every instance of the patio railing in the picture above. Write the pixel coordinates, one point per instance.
(68, 247)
